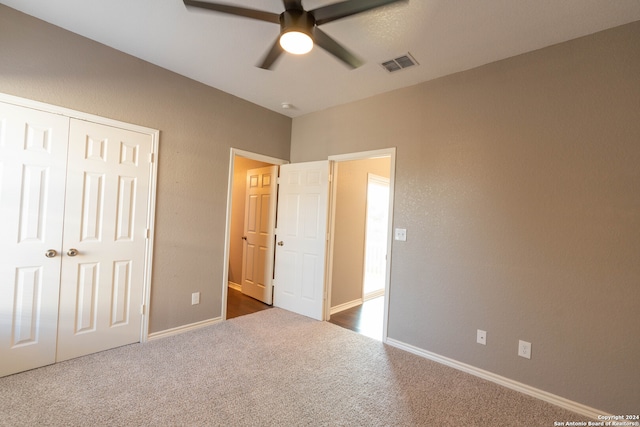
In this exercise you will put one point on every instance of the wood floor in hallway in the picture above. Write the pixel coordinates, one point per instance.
(366, 318)
(238, 304)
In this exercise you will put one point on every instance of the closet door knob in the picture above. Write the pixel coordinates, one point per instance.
(280, 243)
(72, 252)
(51, 253)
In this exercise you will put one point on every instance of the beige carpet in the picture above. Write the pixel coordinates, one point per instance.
(272, 368)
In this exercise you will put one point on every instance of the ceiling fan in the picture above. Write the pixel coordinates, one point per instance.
(299, 28)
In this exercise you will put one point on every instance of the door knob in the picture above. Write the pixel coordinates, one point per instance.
(72, 252)
(280, 243)
(244, 237)
(51, 253)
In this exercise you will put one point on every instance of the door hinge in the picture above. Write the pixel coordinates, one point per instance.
(151, 157)
(330, 177)
(278, 180)
(142, 307)
(148, 233)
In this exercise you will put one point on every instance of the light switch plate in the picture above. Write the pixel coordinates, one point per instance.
(401, 234)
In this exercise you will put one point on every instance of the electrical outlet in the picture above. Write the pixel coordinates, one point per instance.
(481, 338)
(195, 298)
(524, 349)
(401, 234)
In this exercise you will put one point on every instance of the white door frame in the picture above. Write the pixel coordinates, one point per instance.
(363, 155)
(227, 233)
(153, 177)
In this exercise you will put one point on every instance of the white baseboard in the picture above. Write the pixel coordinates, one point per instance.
(503, 381)
(345, 306)
(235, 286)
(184, 328)
(374, 294)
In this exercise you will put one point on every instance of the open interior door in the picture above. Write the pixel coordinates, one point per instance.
(301, 235)
(258, 237)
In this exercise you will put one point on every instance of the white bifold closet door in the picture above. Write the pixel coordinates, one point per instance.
(73, 228)
(33, 159)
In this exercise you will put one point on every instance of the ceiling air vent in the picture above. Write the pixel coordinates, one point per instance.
(399, 63)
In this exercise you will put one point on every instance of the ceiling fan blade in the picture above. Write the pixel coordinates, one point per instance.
(273, 54)
(235, 10)
(333, 47)
(346, 8)
(292, 4)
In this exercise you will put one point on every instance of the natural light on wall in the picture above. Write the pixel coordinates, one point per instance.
(376, 226)
(296, 42)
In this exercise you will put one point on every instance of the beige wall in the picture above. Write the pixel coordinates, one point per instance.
(198, 126)
(350, 221)
(519, 185)
(240, 168)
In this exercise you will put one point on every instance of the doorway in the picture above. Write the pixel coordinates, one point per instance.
(360, 243)
(240, 163)
(386, 157)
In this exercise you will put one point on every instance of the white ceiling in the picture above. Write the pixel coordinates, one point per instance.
(444, 36)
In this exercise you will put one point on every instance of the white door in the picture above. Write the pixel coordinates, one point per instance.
(33, 154)
(258, 238)
(105, 231)
(303, 200)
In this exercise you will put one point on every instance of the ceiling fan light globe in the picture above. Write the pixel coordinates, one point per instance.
(296, 42)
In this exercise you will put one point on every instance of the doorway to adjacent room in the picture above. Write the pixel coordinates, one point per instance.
(360, 224)
(358, 246)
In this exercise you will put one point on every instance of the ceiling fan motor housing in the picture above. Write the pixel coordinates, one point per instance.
(297, 20)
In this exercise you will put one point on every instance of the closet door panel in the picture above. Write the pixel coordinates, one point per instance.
(104, 239)
(33, 156)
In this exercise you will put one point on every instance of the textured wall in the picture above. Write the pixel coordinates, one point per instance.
(519, 185)
(350, 222)
(198, 126)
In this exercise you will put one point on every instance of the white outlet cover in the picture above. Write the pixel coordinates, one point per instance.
(195, 298)
(524, 349)
(401, 234)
